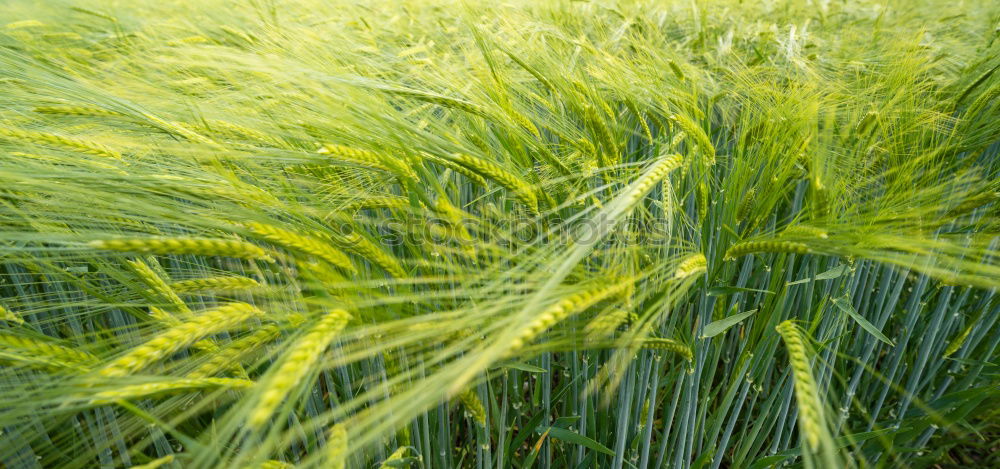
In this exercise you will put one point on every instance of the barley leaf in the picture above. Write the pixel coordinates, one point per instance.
(523, 367)
(828, 275)
(846, 307)
(725, 290)
(715, 328)
(575, 438)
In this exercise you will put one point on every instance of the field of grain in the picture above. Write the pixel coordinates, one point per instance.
(687, 234)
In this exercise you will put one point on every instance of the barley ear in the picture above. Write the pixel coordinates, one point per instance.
(158, 285)
(42, 354)
(303, 243)
(173, 386)
(473, 406)
(337, 447)
(297, 362)
(59, 141)
(811, 419)
(214, 284)
(693, 264)
(179, 337)
(391, 461)
(750, 247)
(10, 316)
(198, 246)
(156, 463)
(700, 137)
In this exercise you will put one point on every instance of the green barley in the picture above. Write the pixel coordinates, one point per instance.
(38, 353)
(363, 247)
(156, 463)
(806, 395)
(337, 447)
(487, 169)
(473, 406)
(700, 137)
(751, 247)
(233, 352)
(10, 316)
(303, 243)
(59, 141)
(180, 336)
(693, 264)
(296, 364)
(199, 246)
(210, 284)
(173, 386)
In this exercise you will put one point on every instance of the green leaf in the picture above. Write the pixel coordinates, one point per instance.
(575, 438)
(846, 307)
(564, 422)
(401, 462)
(523, 367)
(525, 432)
(529, 461)
(724, 290)
(715, 328)
(841, 442)
(828, 275)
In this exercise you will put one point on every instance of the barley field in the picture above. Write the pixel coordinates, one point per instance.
(691, 234)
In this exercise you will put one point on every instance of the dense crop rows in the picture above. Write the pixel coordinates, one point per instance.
(684, 234)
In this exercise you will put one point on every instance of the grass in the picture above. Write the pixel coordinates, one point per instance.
(629, 234)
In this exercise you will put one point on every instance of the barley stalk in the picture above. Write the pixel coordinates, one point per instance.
(180, 129)
(745, 208)
(25, 24)
(159, 287)
(297, 363)
(648, 343)
(179, 337)
(239, 130)
(603, 135)
(701, 196)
